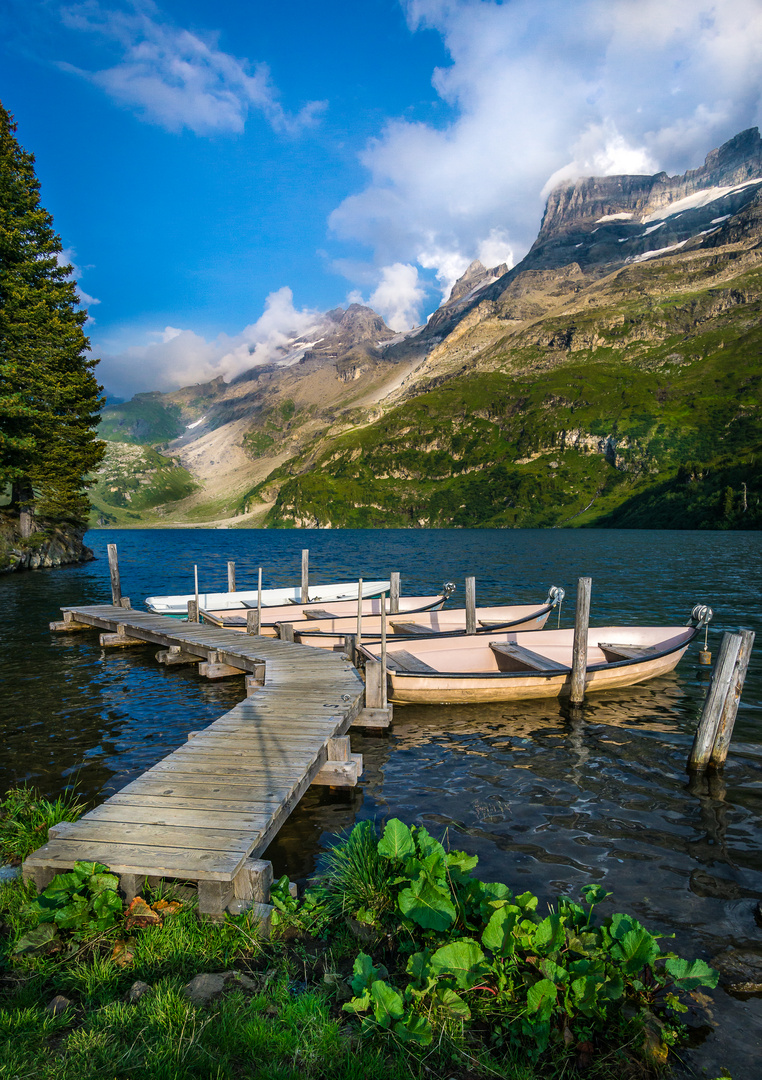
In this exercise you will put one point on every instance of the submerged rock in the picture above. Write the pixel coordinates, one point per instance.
(740, 970)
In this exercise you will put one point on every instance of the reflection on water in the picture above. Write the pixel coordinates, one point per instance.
(548, 798)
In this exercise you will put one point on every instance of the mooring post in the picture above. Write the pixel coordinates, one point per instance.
(383, 650)
(286, 631)
(358, 643)
(394, 592)
(714, 703)
(193, 611)
(116, 585)
(732, 700)
(231, 576)
(251, 621)
(470, 605)
(579, 648)
(305, 575)
(195, 583)
(350, 647)
(259, 601)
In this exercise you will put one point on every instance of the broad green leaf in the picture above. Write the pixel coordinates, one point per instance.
(36, 940)
(453, 1004)
(465, 863)
(107, 904)
(464, 960)
(636, 949)
(364, 973)
(397, 841)
(387, 1003)
(415, 1029)
(427, 845)
(585, 993)
(593, 894)
(550, 934)
(87, 869)
(541, 999)
(99, 882)
(63, 883)
(553, 971)
(419, 968)
(74, 915)
(527, 901)
(688, 975)
(498, 933)
(621, 924)
(428, 906)
(358, 1004)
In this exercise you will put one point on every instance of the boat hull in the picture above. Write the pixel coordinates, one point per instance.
(467, 671)
(177, 606)
(300, 614)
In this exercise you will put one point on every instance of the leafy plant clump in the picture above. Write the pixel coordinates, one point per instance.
(25, 818)
(463, 956)
(85, 902)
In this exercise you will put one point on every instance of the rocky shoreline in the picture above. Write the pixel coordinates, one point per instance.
(42, 550)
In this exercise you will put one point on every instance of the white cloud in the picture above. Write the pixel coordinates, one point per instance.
(175, 357)
(66, 258)
(174, 78)
(397, 296)
(543, 91)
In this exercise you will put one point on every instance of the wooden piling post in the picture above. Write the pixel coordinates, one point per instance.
(305, 575)
(286, 631)
(394, 592)
(732, 700)
(195, 583)
(350, 647)
(358, 643)
(252, 621)
(374, 685)
(579, 649)
(116, 585)
(383, 650)
(231, 576)
(722, 685)
(470, 605)
(193, 611)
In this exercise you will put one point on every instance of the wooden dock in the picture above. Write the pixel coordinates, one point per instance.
(206, 811)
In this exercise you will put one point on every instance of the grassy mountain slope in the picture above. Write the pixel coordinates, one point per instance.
(132, 482)
(636, 405)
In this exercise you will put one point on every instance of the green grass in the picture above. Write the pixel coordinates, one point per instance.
(25, 818)
(144, 419)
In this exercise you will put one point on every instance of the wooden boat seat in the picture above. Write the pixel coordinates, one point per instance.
(492, 622)
(525, 657)
(319, 613)
(222, 620)
(411, 628)
(627, 652)
(401, 660)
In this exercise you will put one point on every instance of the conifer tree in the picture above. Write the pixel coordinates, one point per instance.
(49, 397)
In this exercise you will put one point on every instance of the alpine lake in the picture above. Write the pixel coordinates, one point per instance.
(548, 802)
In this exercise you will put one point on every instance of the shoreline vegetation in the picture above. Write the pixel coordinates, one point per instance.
(396, 961)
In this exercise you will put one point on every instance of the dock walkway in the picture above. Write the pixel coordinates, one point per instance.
(207, 810)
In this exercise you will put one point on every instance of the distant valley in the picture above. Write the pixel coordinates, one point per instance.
(612, 378)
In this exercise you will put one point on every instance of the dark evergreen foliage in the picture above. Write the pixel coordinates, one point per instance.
(49, 397)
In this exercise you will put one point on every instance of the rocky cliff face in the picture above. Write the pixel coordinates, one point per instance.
(58, 547)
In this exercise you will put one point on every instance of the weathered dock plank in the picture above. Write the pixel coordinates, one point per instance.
(201, 813)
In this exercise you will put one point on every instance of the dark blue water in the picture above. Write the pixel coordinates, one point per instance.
(548, 802)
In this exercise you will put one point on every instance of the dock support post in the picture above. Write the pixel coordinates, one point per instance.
(120, 639)
(305, 575)
(116, 585)
(383, 650)
(231, 576)
(579, 649)
(470, 605)
(394, 593)
(374, 692)
(256, 678)
(68, 624)
(286, 631)
(193, 611)
(732, 700)
(252, 621)
(350, 647)
(727, 678)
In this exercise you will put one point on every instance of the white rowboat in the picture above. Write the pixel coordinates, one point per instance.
(229, 601)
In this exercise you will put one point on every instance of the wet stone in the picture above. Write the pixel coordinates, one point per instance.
(707, 885)
(58, 1005)
(740, 971)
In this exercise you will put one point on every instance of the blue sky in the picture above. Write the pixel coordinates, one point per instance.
(220, 172)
